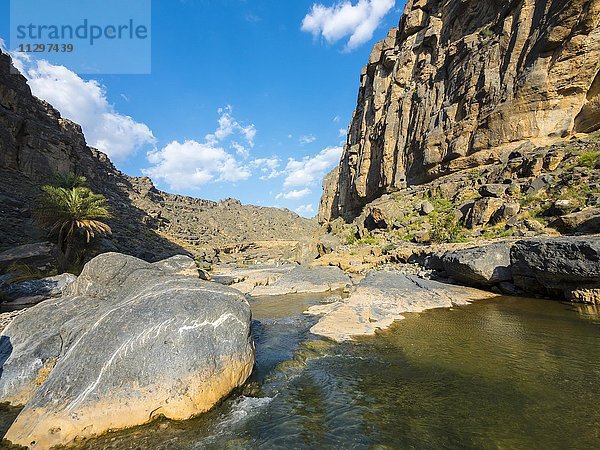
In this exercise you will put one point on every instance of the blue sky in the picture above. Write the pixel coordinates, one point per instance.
(246, 99)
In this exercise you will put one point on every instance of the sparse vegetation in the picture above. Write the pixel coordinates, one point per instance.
(351, 239)
(590, 159)
(388, 248)
(487, 33)
(72, 214)
(368, 240)
(445, 228)
(497, 231)
(69, 180)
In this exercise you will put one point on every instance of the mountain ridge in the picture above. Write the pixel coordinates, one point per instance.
(36, 143)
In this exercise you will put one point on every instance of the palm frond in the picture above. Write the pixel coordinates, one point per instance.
(68, 211)
(69, 180)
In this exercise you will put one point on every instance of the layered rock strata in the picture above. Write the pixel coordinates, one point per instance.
(459, 84)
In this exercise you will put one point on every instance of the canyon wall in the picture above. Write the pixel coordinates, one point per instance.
(462, 83)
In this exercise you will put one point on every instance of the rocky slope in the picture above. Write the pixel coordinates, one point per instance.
(36, 143)
(463, 84)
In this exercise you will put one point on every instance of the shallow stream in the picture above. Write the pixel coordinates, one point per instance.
(506, 373)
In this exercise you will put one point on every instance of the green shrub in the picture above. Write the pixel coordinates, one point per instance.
(445, 228)
(72, 213)
(389, 248)
(368, 240)
(487, 33)
(351, 239)
(69, 180)
(590, 159)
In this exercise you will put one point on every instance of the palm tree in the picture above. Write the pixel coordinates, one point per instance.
(70, 213)
(69, 180)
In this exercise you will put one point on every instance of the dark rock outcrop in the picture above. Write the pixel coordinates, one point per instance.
(40, 256)
(567, 267)
(480, 266)
(129, 341)
(35, 291)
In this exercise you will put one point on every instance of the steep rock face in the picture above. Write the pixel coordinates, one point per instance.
(36, 143)
(461, 83)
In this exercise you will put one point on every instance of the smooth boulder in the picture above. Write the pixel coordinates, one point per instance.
(565, 267)
(129, 341)
(480, 266)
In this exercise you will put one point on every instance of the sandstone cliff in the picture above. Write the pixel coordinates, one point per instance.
(36, 143)
(462, 83)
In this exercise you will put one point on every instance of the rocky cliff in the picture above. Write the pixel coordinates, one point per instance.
(461, 84)
(36, 143)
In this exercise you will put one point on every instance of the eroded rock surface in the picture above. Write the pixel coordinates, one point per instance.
(129, 341)
(381, 298)
(281, 280)
(461, 84)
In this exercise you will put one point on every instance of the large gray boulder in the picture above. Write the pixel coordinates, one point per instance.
(129, 341)
(480, 266)
(562, 267)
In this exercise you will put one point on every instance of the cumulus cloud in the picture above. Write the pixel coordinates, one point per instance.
(268, 167)
(191, 164)
(306, 210)
(85, 103)
(228, 126)
(294, 195)
(358, 21)
(311, 170)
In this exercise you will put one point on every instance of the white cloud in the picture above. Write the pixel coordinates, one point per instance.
(306, 210)
(344, 19)
(85, 103)
(294, 195)
(268, 167)
(228, 126)
(342, 132)
(307, 139)
(336, 119)
(311, 170)
(191, 164)
(240, 150)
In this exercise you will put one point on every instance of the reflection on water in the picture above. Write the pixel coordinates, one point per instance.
(505, 373)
